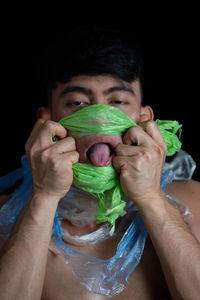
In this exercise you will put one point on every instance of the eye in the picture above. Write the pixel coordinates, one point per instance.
(119, 102)
(78, 103)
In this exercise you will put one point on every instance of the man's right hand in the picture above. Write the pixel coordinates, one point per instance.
(51, 162)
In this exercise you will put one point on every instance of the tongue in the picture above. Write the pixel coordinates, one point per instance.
(99, 155)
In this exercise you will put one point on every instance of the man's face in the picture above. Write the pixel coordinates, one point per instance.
(82, 91)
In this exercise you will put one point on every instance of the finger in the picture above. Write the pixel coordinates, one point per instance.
(120, 162)
(153, 130)
(127, 150)
(34, 133)
(137, 136)
(47, 132)
(70, 157)
(64, 145)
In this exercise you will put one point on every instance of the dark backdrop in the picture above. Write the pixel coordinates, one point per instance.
(170, 54)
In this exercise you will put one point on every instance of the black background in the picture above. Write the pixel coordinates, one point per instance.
(169, 42)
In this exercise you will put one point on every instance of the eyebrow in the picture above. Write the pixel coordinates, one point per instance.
(79, 89)
(118, 88)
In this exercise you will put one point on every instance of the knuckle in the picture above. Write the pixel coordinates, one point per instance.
(118, 162)
(150, 124)
(31, 152)
(118, 149)
(53, 161)
(76, 156)
(131, 135)
(142, 159)
(43, 156)
(48, 124)
(40, 121)
(150, 127)
(58, 126)
(157, 150)
(134, 129)
(146, 155)
(138, 164)
(54, 128)
(115, 160)
(71, 141)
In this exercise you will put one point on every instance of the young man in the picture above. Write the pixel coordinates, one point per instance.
(98, 67)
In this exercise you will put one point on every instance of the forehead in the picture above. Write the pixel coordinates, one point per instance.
(97, 83)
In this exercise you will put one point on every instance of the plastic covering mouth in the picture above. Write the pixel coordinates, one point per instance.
(100, 154)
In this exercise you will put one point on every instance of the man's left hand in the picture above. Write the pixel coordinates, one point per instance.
(140, 160)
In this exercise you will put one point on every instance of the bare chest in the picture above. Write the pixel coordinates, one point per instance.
(146, 282)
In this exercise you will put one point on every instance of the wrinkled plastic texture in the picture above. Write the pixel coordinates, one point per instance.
(104, 181)
(183, 166)
(80, 208)
(107, 119)
(169, 129)
(107, 277)
(11, 209)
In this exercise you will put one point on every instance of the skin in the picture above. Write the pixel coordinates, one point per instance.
(104, 90)
(97, 92)
(139, 159)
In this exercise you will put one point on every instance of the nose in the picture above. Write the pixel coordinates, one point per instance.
(99, 100)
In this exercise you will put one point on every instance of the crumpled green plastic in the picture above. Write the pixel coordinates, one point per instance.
(104, 182)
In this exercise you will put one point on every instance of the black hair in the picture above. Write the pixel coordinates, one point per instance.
(93, 51)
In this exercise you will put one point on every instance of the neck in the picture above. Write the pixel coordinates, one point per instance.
(76, 230)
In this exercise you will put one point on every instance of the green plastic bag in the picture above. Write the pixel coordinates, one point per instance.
(104, 182)
(106, 119)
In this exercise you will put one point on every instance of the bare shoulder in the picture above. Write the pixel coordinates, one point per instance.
(189, 193)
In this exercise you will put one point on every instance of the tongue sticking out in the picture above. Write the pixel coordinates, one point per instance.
(99, 155)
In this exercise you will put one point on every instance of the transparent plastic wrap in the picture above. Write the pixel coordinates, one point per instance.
(106, 277)
(104, 182)
(183, 166)
(110, 277)
(10, 211)
(166, 179)
(81, 214)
